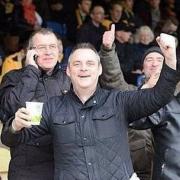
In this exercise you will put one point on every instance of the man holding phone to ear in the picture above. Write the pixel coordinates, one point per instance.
(39, 80)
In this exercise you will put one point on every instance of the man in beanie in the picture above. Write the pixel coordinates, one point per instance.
(165, 127)
(140, 141)
(165, 124)
(152, 65)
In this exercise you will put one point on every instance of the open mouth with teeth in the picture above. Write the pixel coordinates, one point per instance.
(84, 76)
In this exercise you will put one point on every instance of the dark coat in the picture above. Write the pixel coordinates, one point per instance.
(90, 139)
(125, 53)
(88, 32)
(33, 160)
(165, 126)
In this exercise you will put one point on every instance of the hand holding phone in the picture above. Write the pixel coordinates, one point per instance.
(31, 58)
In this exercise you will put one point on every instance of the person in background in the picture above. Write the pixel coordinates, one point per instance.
(115, 14)
(26, 19)
(165, 126)
(93, 30)
(168, 26)
(156, 13)
(1, 62)
(76, 19)
(143, 40)
(128, 17)
(56, 10)
(149, 12)
(124, 50)
(13, 61)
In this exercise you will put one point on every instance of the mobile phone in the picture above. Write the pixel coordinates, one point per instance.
(35, 58)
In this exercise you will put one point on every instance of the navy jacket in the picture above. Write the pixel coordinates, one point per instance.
(90, 140)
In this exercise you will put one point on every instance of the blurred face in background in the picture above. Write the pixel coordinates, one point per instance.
(27, 2)
(155, 3)
(129, 4)
(122, 36)
(85, 6)
(116, 12)
(145, 37)
(97, 14)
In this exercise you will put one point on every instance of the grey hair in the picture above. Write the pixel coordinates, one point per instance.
(144, 29)
(43, 31)
(84, 46)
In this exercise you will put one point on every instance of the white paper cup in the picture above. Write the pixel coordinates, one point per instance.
(35, 110)
(168, 40)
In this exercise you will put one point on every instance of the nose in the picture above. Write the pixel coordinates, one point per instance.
(83, 67)
(155, 63)
(48, 50)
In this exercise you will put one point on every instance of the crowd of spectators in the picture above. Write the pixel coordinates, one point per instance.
(137, 25)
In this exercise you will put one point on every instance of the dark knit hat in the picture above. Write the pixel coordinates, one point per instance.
(123, 26)
(150, 50)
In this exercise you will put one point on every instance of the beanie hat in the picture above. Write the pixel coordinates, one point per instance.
(122, 26)
(151, 50)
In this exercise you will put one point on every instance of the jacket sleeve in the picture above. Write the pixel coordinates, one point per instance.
(112, 76)
(11, 139)
(16, 88)
(142, 103)
(148, 122)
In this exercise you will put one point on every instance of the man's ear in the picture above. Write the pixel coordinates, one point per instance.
(67, 71)
(100, 69)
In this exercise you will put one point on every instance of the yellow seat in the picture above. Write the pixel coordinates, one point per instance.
(4, 159)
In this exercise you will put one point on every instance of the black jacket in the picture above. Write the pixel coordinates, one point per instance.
(140, 141)
(90, 140)
(33, 160)
(165, 125)
(88, 32)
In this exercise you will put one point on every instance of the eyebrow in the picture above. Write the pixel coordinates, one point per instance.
(46, 44)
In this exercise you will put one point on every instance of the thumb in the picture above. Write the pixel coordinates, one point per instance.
(113, 28)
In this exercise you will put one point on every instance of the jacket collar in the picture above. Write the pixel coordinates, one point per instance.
(55, 70)
(92, 101)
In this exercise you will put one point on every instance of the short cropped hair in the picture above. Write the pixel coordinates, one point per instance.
(84, 46)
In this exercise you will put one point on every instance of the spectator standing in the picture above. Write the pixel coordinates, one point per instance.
(115, 14)
(76, 18)
(34, 160)
(93, 31)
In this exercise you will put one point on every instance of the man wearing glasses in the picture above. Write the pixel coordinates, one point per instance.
(39, 80)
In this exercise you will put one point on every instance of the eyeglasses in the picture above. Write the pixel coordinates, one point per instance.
(44, 48)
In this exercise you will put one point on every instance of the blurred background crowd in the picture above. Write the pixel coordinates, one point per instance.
(137, 24)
